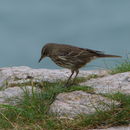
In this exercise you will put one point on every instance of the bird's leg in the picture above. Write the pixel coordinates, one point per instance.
(77, 72)
(72, 72)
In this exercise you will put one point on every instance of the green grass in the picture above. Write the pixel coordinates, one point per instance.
(117, 116)
(33, 109)
(124, 66)
(32, 112)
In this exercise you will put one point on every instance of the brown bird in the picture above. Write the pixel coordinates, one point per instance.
(71, 57)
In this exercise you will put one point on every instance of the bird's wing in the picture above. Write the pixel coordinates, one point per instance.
(94, 51)
(67, 52)
(73, 54)
(77, 52)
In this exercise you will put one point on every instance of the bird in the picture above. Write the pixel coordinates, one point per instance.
(71, 57)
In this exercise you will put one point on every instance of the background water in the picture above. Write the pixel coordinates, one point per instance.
(26, 25)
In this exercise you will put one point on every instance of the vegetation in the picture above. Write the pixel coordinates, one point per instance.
(124, 66)
(32, 111)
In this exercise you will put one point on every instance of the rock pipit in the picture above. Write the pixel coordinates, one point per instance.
(71, 57)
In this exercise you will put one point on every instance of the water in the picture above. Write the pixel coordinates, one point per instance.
(26, 25)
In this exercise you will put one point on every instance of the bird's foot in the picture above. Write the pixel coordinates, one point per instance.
(67, 85)
(74, 84)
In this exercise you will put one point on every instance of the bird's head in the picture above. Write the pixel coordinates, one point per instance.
(44, 52)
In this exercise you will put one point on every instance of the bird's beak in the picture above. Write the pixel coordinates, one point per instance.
(40, 59)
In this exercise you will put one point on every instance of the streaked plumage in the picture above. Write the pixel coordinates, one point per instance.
(71, 57)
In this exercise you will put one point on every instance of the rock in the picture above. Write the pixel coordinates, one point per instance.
(11, 95)
(23, 74)
(78, 102)
(66, 104)
(116, 128)
(119, 128)
(111, 84)
(11, 79)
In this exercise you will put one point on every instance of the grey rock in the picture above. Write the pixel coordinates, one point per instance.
(23, 74)
(15, 76)
(66, 104)
(78, 102)
(116, 128)
(11, 95)
(111, 84)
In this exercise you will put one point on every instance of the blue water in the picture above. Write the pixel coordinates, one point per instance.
(26, 25)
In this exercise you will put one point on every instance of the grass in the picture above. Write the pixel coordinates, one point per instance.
(117, 116)
(124, 66)
(32, 112)
(33, 109)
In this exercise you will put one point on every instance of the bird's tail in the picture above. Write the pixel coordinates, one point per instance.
(109, 56)
(100, 54)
